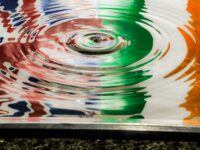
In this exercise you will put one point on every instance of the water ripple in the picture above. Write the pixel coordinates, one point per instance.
(90, 57)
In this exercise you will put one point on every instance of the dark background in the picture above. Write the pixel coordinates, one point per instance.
(93, 144)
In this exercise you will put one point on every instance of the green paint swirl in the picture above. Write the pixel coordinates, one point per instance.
(128, 98)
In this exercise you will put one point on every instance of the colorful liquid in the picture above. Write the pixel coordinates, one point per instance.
(112, 61)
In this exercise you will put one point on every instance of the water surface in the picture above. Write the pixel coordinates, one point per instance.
(112, 61)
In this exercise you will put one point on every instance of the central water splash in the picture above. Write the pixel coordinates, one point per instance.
(93, 42)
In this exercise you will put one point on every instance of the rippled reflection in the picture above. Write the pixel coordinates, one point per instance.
(95, 58)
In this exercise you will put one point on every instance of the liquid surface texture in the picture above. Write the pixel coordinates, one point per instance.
(111, 61)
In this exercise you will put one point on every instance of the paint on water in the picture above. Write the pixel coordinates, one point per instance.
(114, 61)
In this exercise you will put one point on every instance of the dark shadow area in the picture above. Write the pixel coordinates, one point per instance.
(93, 144)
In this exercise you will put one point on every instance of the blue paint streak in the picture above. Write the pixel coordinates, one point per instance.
(21, 107)
(9, 5)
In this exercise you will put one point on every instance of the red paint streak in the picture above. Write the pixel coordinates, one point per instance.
(39, 110)
(17, 54)
(6, 21)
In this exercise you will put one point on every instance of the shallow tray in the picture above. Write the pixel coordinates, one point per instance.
(95, 65)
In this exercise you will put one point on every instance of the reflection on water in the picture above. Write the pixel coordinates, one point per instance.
(135, 59)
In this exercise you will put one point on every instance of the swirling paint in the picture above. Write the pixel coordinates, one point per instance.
(115, 61)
